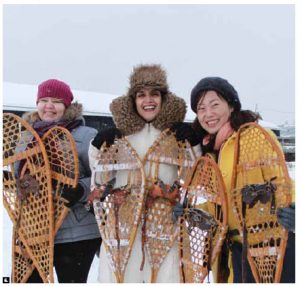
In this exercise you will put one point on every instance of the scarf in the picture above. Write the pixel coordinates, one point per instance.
(41, 127)
(223, 134)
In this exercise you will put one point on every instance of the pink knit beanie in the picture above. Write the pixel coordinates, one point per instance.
(57, 89)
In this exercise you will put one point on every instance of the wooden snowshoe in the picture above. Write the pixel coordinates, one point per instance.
(159, 232)
(118, 211)
(261, 185)
(62, 154)
(203, 226)
(27, 194)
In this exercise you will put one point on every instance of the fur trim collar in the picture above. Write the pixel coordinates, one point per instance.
(74, 111)
(129, 122)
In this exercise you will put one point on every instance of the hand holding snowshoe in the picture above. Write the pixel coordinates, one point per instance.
(178, 210)
(99, 192)
(107, 136)
(184, 131)
(72, 195)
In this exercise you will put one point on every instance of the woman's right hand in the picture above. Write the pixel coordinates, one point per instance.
(107, 136)
(184, 131)
(96, 193)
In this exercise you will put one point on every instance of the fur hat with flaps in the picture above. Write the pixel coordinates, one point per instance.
(148, 76)
(123, 108)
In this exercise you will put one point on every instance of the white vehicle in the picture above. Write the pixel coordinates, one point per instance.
(20, 98)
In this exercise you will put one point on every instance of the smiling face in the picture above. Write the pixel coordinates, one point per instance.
(50, 109)
(148, 103)
(213, 112)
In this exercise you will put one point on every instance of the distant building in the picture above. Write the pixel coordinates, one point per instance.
(288, 141)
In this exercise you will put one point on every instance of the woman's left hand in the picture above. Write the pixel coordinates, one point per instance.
(286, 217)
(72, 195)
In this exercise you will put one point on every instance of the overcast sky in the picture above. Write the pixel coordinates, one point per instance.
(94, 48)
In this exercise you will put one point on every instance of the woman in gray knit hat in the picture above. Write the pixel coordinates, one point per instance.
(141, 115)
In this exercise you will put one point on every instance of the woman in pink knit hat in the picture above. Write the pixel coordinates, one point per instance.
(78, 238)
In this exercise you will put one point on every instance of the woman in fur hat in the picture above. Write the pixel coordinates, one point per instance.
(78, 238)
(219, 119)
(141, 115)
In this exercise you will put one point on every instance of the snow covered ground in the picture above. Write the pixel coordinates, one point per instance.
(6, 253)
(7, 234)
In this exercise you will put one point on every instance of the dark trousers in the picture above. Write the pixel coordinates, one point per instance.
(288, 269)
(72, 261)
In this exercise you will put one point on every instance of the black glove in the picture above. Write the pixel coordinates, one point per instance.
(72, 195)
(184, 131)
(108, 136)
(178, 210)
(286, 217)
